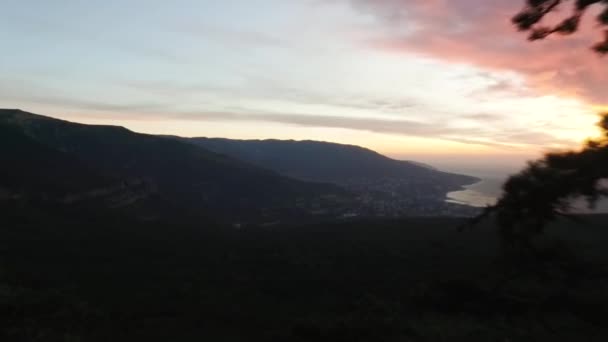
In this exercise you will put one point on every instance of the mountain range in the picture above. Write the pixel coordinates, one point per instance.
(60, 161)
(385, 186)
(48, 161)
(329, 162)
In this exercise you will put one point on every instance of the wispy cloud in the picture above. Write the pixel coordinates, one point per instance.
(483, 117)
(269, 88)
(504, 139)
(22, 92)
(228, 35)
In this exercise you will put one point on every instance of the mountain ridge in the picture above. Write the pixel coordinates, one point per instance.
(262, 181)
(385, 186)
(187, 176)
(255, 150)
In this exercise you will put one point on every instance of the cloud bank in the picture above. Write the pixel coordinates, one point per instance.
(480, 33)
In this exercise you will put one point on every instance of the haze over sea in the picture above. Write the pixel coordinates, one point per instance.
(483, 193)
(492, 175)
(489, 188)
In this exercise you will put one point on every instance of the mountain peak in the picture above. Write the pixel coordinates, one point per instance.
(23, 118)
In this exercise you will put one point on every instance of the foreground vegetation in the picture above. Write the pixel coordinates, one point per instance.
(408, 280)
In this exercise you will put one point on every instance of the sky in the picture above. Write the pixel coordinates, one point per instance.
(439, 81)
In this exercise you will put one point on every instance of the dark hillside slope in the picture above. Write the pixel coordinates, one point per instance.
(328, 162)
(29, 166)
(184, 175)
(38, 180)
(386, 187)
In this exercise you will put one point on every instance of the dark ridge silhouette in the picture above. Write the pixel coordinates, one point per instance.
(386, 187)
(80, 161)
(327, 162)
(29, 166)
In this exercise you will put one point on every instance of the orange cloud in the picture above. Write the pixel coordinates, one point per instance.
(480, 33)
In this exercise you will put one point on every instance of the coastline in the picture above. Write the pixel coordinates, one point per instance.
(479, 194)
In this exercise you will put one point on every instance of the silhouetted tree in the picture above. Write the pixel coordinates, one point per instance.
(546, 188)
(530, 19)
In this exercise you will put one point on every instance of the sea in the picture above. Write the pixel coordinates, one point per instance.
(487, 191)
(480, 194)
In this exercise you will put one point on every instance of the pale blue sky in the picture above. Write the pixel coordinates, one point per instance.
(301, 69)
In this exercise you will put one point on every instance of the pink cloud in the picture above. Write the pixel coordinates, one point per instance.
(480, 33)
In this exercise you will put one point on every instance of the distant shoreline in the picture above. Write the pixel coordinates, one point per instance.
(479, 194)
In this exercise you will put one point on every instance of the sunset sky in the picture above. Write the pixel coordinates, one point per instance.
(412, 79)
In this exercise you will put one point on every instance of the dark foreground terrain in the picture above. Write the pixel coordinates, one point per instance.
(411, 280)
